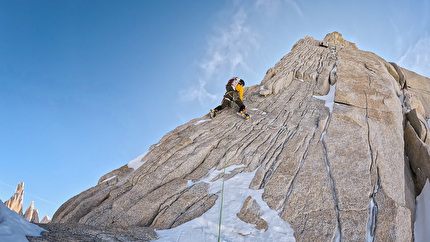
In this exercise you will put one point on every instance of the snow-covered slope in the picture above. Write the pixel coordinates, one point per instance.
(236, 191)
(422, 219)
(14, 228)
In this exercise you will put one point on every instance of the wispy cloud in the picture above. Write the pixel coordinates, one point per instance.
(229, 47)
(29, 194)
(42, 199)
(197, 93)
(7, 185)
(236, 38)
(295, 6)
(417, 57)
(227, 51)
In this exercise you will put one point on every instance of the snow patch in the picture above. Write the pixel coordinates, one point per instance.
(137, 162)
(371, 223)
(14, 228)
(422, 215)
(329, 98)
(202, 121)
(236, 190)
(108, 179)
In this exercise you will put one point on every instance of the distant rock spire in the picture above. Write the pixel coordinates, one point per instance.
(15, 202)
(45, 220)
(35, 217)
(31, 214)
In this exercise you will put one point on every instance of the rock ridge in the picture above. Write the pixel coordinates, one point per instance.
(338, 140)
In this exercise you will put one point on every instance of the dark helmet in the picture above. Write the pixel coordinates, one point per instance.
(241, 82)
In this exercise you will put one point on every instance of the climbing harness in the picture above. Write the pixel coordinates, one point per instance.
(232, 95)
(223, 177)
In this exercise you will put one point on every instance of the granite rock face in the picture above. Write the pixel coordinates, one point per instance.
(87, 233)
(15, 202)
(32, 214)
(338, 139)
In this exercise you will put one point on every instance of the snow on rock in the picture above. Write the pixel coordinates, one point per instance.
(236, 191)
(14, 228)
(422, 213)
(329, 98)
(202, 121)
(137, 162)
(110, 178)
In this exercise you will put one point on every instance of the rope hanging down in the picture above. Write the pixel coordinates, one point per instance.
(223, 177)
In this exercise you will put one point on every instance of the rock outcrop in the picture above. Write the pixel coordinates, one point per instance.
(250, 213)
(338, 141)
(81, 232)
(32, 214)
(15, 202)
(45, 220)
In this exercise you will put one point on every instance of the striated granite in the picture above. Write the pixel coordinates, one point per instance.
(338, 138)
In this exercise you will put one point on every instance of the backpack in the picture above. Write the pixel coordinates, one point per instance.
(233, 82)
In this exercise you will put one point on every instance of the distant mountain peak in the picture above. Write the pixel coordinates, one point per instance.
(15, 202)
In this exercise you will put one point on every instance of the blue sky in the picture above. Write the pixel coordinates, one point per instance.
(86, 86)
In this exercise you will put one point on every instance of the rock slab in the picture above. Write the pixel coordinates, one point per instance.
(330, 140)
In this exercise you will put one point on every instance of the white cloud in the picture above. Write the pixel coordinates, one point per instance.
(417, 57)
(228, 49)
(197, 92)
(235, 39)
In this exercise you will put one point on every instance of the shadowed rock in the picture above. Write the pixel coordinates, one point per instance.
(250, 213)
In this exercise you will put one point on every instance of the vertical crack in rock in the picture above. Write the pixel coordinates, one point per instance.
(300, 167)
(373, 212)
(274, 164)
(329, 102)
(373, 206)
(332, 183)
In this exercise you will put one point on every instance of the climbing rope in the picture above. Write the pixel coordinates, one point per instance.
(223, 176)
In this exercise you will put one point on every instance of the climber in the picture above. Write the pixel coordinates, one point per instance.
(234, 93)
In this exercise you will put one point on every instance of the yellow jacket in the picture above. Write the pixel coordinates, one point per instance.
(239, 89)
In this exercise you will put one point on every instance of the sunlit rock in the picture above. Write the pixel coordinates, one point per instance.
(326, 142)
